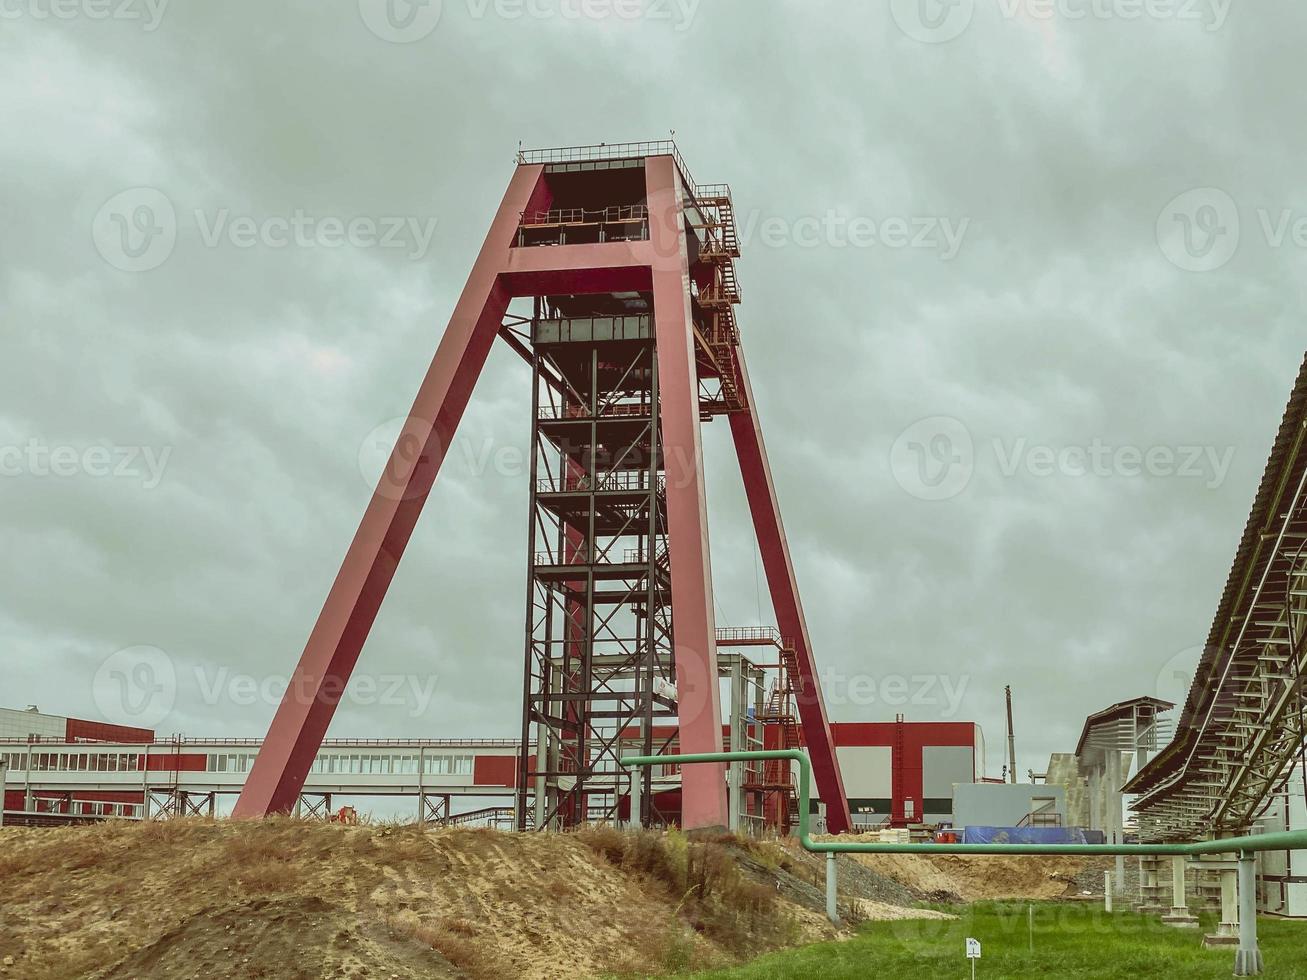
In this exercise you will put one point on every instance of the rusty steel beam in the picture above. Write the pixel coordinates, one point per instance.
(783, 586)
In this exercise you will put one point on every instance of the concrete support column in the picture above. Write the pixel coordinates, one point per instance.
(1227, 932)
(1112, 820)
(1179, 917)
(1150, 898)
(832, 910)
(637, 797)
(547, 749)
(1248, 961)
(1229, 902)
(1107, 891)
(739, 701)
(1095, 799)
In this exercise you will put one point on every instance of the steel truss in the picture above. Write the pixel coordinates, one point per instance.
(1243, 729)
(172, 803)
(599, 647)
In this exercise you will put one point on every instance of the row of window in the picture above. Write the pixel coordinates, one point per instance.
(74, 761)
(335, 763)
(396, 765)
(230, 762)
(87, 808)
(242, 762)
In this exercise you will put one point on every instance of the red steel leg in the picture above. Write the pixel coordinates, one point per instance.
(746, 430)
(333, 647)
(699, 707)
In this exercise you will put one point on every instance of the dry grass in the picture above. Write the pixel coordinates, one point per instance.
(286, 898)
(702, 876)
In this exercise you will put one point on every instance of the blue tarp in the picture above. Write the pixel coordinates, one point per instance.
(1024, 835)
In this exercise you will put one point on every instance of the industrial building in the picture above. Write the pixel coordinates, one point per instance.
(1009, 806)
(901, 772)
(904, 773)
(58, 767)
(91, 747)
(1114, 744)
(1282, 875)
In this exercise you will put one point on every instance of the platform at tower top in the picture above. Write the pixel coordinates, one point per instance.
(581, 158)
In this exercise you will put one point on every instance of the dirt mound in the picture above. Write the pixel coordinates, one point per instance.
(874, 911)
(967, 878)
(292, 899)
(250, 940)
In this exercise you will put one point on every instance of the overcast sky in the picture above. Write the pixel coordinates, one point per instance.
(1023, 305)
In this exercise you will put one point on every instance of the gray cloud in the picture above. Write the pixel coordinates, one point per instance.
(263, 370)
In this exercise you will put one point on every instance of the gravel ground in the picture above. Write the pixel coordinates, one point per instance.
(1091, 878)
(855, 879)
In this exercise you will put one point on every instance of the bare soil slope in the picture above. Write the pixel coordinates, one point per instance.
(303, 900)
(961, 877)
(291, 899)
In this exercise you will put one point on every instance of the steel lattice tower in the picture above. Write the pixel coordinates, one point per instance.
(599, 618)
(626, 268)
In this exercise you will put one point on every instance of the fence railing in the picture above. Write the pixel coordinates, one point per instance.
(609, 151)
(632, 480)
(582, 216)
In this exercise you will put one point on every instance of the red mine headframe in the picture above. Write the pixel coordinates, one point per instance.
(627, 268)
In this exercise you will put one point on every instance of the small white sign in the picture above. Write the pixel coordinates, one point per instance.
(973, 949)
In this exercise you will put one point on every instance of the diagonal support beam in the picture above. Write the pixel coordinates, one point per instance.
(351, 607)
(746, 430)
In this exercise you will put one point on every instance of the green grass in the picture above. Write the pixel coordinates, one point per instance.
(1070, 940)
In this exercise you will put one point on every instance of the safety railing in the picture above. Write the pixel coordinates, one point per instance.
(608, 151)
(582, 216)
(550, 413)
(713, 191)
(634, 556)
(750, 634)
(626, 480)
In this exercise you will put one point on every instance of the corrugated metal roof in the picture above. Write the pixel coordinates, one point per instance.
(1122, 709)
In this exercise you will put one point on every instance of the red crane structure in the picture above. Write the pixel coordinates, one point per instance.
(620, 273)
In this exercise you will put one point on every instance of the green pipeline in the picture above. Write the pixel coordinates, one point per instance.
(1288, 841)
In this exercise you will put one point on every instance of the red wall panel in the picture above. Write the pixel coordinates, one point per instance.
(101, 732)
(907, 739)
(14, 799)
(174, 762)
(495, 770)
